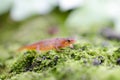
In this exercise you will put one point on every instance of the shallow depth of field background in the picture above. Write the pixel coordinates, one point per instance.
(24, 22)
(28, 21)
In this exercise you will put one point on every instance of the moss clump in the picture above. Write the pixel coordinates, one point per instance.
(24, 62)
(116, 56)
(117, 53)
(84, 62)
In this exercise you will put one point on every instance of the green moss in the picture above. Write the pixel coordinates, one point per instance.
(23, 63)
(81, 62)
(32, 76)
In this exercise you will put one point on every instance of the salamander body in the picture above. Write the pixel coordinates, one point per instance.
(50, 44)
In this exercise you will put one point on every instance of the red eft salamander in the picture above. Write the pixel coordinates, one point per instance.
(50, 44)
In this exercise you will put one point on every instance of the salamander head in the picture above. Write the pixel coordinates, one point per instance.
(67, 42)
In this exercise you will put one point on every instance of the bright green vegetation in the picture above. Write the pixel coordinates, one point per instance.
(92, 58)
(84, 62)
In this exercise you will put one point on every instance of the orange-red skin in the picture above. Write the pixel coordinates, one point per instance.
(49, 44)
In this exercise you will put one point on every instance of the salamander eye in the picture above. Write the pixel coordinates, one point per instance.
(68, 41)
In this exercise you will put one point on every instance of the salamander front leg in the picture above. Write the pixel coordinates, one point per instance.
(57, 48)
(71, 46)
